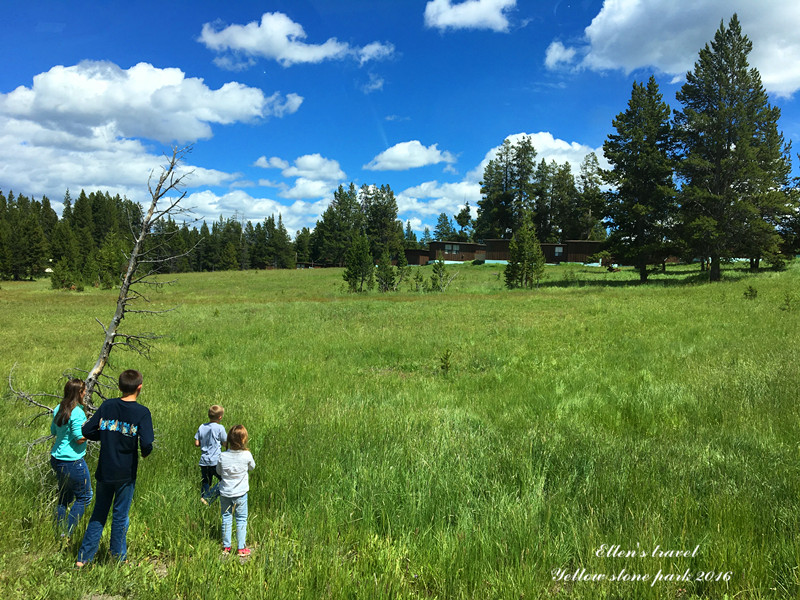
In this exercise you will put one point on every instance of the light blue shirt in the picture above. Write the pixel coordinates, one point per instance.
(211, 437)
(66, 446)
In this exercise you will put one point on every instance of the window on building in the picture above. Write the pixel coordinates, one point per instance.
(559, 250)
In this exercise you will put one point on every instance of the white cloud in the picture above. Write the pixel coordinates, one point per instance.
(143, 101)
(548, 148)
(315, 166)
(316, 176)
(279, 38)
(295, 216)
(470, 14)
(40, 161)
(558, 54)
(307, 188)
(408, 155)
(667, 35)
(375, 51)
(432, 198)
(271, 163)
(374, 84)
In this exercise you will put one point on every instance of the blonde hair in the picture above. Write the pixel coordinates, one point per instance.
(215, 412)
(237, 438)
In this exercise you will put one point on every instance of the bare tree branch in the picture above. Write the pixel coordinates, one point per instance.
(169, 180)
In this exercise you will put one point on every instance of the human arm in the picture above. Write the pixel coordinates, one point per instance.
(251, 463)
(196, 442)
(146, 436)
(76, 421)
(91, 428)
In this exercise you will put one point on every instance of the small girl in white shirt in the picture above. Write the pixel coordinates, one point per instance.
(233, 468)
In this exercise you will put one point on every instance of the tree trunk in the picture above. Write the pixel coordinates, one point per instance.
(715, 274)
(642, 272)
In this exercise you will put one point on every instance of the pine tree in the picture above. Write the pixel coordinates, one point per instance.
(359, 271)
(229, 259)
(734, 162)
(409, 237)
(526, 261)
(464, 221)
(385, 274)
(444, 230)
(642, 208)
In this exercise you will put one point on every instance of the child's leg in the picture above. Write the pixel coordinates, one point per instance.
(118, 546)
(94, 531)
(81, 486)
(226, 506)
(207, 477)
(65, 495)
(240, 512)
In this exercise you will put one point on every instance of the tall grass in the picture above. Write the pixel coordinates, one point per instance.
(592, 411)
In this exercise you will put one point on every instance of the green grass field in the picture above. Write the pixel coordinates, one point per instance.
(480, 443)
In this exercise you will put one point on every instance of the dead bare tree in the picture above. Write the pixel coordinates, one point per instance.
(149, 253)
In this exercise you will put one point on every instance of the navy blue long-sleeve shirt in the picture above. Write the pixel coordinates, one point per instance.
(122, 428)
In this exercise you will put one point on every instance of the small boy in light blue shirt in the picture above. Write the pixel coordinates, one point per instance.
(209, 438)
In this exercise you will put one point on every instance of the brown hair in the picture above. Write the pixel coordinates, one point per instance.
(129, 381)
(73, 396)
(215, 412)
(237, 438)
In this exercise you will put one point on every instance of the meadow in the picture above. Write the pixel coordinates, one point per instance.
(479, 443)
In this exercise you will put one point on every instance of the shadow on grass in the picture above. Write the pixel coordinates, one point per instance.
(679, 275)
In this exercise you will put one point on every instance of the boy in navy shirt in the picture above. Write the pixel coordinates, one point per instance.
(122, 426)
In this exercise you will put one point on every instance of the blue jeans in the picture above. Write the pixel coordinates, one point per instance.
(209, 492)
(74, 485)
(121, 495)
(234, 507)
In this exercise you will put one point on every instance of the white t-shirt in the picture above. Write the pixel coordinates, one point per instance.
(233, 468)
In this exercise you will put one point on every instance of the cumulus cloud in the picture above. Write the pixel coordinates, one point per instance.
(295, 216)
(316, 176)
(433, 198)
(142, 101)
(279, 38)
(470, 14)
(667, 35)
(271, 163)
(408, 155)
(557, 54)
(35, 160)
(548, 148)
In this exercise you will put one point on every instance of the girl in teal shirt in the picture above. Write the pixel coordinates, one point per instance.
(67, 457)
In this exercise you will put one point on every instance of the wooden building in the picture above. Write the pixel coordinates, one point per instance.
(457, 251)
(570, 251)
(417, 257)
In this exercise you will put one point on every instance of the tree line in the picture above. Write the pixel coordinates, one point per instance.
(710, 180)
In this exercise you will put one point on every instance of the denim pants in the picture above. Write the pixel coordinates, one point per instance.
(234, 507)
(74, 487)
(120, 495)
(209, 491)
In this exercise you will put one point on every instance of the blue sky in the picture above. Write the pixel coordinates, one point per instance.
(285, 100)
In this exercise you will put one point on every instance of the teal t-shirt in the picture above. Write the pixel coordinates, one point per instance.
(66, 446)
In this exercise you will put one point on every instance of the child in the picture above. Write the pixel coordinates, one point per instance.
(120, 424)
(209, 438)
(67, 457)
(233, 468)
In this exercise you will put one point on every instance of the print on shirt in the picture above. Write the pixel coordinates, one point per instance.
(125, 429)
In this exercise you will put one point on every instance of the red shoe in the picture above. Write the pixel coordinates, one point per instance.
(244, 552)
(226, 550)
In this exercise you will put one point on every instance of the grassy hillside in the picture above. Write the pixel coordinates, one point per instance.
(479, 443)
